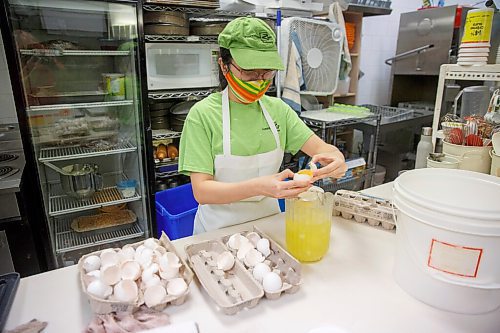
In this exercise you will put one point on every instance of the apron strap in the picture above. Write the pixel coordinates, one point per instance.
(226, 124)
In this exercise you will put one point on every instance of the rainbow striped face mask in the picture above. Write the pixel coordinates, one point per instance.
(247, 91)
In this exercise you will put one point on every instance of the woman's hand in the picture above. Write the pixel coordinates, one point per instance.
(275, 186)
(333, 165)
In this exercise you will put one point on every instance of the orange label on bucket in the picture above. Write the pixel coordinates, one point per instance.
(454, 259)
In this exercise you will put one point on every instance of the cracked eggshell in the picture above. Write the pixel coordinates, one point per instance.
(99, 289)
(235, 241)
(110, 275)
(263, 246)
(130, 270)
(94, 275)
(109, 258)
(301, 177)
(151, 269)
(271, 282)
(170, 273)
(126, 254)
(253, 257)
(176, 287)
(168, 261)
(91, 263)
(146, 257)
(154, 295)
(225, 261)
(151, 243)
(138, 252)
(253, 237)
(243, 250)
(150, 281)
(260, 270)
(126, 291)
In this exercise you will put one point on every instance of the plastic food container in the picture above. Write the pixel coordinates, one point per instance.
(127, 187)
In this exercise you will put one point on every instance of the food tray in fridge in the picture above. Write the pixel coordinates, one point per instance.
(158, 257)
(364, 208)
(70, 97)
(105, 221)
(208, 265)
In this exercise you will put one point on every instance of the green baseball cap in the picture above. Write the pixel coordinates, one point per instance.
(252, 44)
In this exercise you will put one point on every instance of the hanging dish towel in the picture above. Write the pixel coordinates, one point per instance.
(294, 79)
(335, 15)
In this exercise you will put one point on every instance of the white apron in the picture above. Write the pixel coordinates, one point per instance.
(230, 169)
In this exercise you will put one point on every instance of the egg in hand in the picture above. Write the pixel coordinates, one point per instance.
(304, 174)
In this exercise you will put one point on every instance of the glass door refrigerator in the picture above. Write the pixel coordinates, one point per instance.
(76, 75)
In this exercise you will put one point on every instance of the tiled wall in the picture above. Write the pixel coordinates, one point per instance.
(7, 107)
(380, 34)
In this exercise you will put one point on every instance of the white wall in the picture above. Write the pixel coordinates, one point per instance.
(7, 107)
(380, 34)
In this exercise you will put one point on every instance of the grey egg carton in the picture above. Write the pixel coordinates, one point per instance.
(364, 208)
(236, 288)
(102, 306)
(232, 290)
(280, 261)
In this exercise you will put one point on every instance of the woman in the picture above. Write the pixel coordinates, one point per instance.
(233, 141)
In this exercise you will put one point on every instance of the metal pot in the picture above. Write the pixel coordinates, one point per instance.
(80, 181)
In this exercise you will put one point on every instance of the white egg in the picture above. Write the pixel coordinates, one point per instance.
(111, 274)
(154, 295)
(127, 253)
(130, 270)
(253, 237)
(263, 246)
(271, 282)
(126, 291)
(253, 257)
(260, 270)
(151, 243)
(225, 261)
(313, 166)
(91, 263)
(243, 250)
(109, 257)
(301, 177)
(176, 287)
(99, 289)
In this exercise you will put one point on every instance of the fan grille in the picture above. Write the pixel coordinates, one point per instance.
(320, 80)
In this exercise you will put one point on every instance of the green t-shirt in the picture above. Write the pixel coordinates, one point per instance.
(201, 138)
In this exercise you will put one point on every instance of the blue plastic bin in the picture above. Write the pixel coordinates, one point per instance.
(175, 211)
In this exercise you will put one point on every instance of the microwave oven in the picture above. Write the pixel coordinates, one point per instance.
(181, 65)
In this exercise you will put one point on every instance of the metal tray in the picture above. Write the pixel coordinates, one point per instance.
(8, 288)
(70, 97)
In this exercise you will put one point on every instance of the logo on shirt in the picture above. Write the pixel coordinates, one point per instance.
(268, 128)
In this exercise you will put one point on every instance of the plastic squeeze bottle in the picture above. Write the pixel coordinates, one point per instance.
(424, 147)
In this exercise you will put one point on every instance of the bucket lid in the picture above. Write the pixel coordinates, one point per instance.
(455, 192)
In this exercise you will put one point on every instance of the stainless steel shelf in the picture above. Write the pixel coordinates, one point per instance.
(69, 240)
(167, 38)
(337, 123)
(78, 105)
(59, 53)
(169, 94)
(61, 204)
(166, 162)
(166, 174)
(193, 10)
(165, 134)
(68, 153)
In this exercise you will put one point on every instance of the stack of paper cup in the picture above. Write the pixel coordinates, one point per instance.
(475, 46)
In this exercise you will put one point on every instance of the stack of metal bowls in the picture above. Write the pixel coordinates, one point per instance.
(178, 114)
(166, 23)
(159, 115)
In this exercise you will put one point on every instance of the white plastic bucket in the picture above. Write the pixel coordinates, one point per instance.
(448, 238)
(471, 158)
(446, 162)
(495, 164)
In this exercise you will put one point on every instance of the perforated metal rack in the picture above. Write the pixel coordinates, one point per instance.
(77, 105)
(165, 134)
(168, 38)
(60, 204)
(57, 52)
(169, 94)
(69, 240)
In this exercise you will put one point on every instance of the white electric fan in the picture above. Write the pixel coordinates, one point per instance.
(320, 47)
